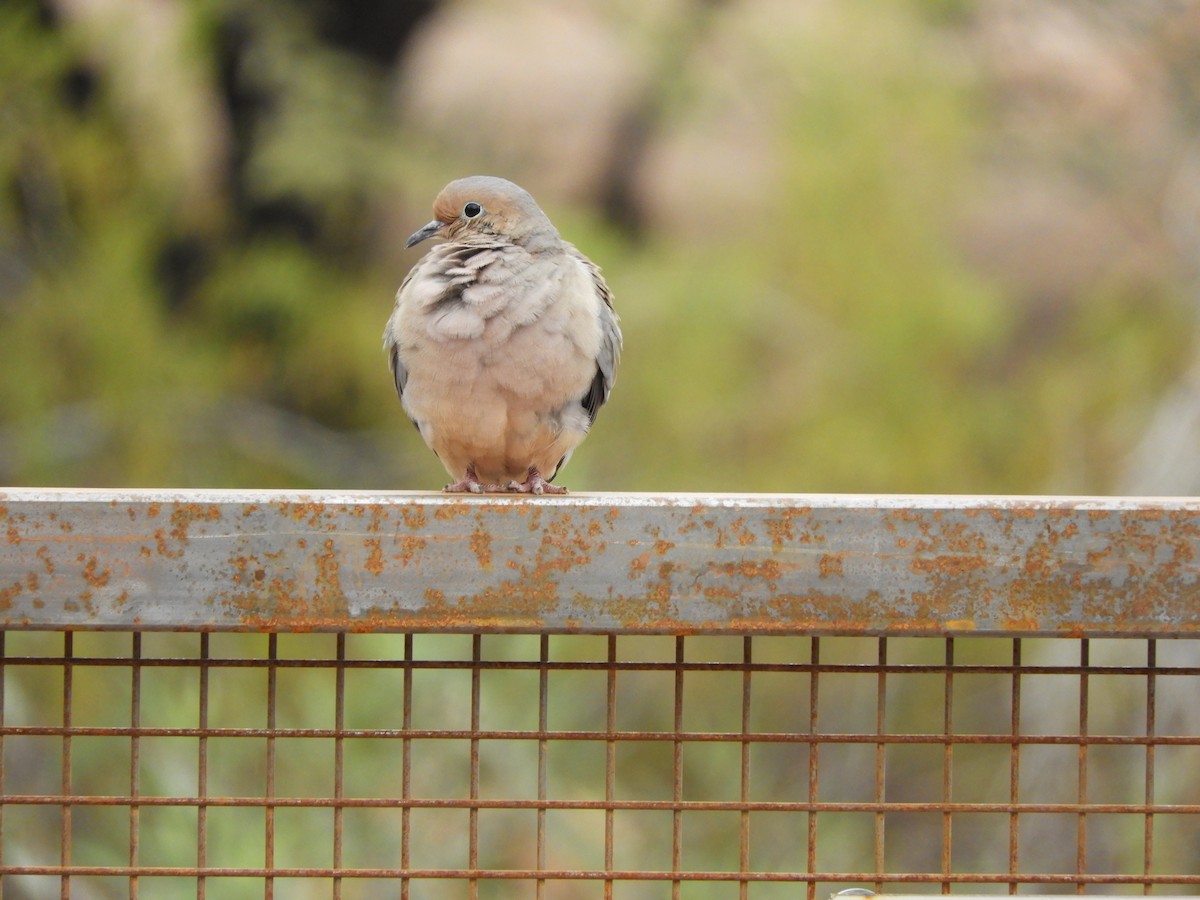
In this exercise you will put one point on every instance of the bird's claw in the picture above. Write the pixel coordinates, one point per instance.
(534, 483)
(474, 487)
(463, 487)
(470, 484)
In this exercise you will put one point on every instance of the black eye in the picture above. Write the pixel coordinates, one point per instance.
(472, 209)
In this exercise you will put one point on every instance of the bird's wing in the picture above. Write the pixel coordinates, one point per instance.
(391, 340)
(610, 345)
(399, 372)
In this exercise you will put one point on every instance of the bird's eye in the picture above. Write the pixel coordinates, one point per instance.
(472, 209)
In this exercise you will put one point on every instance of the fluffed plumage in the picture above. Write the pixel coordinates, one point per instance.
(503, 342)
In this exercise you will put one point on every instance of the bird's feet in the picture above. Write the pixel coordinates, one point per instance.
(470, 484)
(534, 483)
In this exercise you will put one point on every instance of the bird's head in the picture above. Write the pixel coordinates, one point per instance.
(482, 204)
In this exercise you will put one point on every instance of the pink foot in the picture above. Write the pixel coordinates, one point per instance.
(470, 484)
(534, 483)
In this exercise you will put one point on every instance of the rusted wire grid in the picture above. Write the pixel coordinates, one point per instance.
(678, 668)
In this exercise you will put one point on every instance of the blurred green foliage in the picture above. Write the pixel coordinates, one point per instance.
(835, 340)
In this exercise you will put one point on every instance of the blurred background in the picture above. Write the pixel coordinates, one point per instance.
(915, 245)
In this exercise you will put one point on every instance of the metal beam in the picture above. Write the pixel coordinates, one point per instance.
(677, 563)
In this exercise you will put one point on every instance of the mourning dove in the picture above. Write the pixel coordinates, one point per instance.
(503, 342)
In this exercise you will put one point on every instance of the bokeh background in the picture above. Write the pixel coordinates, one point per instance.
(913, 245)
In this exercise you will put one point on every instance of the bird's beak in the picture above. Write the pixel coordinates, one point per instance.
(423, 234)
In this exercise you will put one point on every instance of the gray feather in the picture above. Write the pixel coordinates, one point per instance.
(610, 345)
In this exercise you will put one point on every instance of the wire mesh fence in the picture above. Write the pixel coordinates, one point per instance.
(745, 761)
(538, 765)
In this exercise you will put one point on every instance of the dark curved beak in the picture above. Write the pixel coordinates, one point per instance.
(426, 232)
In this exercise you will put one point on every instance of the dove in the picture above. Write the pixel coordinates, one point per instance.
(503, 342)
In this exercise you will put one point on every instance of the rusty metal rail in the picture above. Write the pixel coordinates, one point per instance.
(629, 563)
(592, 695)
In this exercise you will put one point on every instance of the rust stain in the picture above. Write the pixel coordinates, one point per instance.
(1038, 600)
(9, 594)
(691, 522)
(374, 563)
(562, 547)
(92, 573)
(949, 564)
(534, 515)
(183, 516)
(531, 592)
(379, 518)
(744, 535)
(813, 610)
(721, 538)
(958, 538)
(721, 592)
(410, 546)
(413, 517)
(329, 597)
(830, 565)
(160, 543)
(1037, 562)
(308, 512)
(528, 599)
(655, 603)
(291, 601)
(86, 600)
(638, 565)
(43, 553)
(244, 564)
(781, 528)
(767, 570)
(481, 545)
(451, 511)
